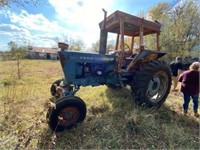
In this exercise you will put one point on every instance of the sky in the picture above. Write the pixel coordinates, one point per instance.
(40, 25)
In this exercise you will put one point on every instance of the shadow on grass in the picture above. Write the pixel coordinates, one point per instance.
(164, 113)
(125, 125)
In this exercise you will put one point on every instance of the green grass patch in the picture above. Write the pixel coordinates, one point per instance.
(113, 120)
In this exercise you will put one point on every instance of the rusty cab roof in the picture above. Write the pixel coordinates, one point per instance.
(132, 24)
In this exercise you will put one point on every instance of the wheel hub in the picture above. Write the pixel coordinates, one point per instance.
(157, 87)
(68, 116)
(154, 86)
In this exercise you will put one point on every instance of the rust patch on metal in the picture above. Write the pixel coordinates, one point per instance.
(62, 59)
(68, 116)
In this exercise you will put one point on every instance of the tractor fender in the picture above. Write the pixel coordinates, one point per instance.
(149, 55)
(144, 56)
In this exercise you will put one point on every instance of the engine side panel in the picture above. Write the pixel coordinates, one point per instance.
(87, 68)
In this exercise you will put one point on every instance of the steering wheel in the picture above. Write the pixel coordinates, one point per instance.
(126, 46)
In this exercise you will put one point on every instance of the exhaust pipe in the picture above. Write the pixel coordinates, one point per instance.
(103, 36)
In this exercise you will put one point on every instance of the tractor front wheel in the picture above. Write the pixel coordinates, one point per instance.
(151, 84)
(68, 112)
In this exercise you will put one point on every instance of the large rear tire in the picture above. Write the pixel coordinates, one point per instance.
(151, 84)
(68, 112)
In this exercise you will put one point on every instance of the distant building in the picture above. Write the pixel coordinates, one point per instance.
(5, 55)
(43, 53)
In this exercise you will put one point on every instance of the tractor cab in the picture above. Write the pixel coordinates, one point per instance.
(126, 25)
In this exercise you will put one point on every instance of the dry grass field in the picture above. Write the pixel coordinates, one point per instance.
(113, 120)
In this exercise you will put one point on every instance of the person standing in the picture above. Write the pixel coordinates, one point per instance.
(176, 69)
(190, 87)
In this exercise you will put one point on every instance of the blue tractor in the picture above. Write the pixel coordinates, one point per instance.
(141, 69)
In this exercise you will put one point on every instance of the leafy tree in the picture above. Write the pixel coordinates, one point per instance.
(159, 12)
(180, 26)
(18, 53)
(110, 46)
(74, 44)
(95, 46)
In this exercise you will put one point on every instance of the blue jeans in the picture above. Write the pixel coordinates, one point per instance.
(187, 101)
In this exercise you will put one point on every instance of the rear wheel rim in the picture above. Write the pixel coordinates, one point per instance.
(157, 86)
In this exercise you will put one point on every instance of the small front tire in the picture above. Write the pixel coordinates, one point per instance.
(68, 112)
